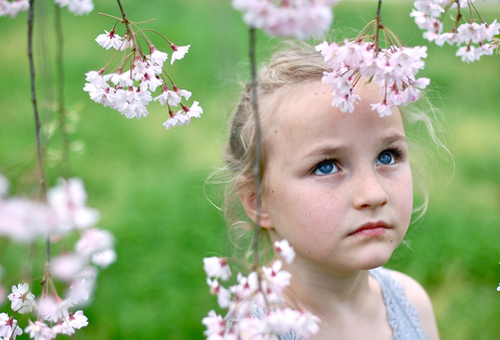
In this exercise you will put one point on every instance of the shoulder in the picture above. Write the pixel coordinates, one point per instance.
(420, 299)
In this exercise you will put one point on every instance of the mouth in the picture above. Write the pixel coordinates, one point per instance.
(371, 229)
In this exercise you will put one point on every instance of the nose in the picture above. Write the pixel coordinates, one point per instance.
(370, 192)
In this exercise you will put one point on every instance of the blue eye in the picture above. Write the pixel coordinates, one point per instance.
(326, 168)
(386, 158)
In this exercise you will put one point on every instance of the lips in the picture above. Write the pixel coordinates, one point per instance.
(371, 229)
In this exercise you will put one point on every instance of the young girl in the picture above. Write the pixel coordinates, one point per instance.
(338, 187)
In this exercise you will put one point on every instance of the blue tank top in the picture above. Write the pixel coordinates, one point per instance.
(402, 315)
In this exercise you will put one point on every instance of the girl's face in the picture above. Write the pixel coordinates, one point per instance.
(338, 186)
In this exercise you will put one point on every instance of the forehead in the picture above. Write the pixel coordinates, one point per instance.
(304, 116)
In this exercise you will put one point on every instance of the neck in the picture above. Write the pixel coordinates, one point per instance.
(328, 294)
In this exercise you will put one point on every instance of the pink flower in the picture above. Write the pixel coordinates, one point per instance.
(78, 320)
(68, 200)
(78, 7)
(67, 267)
(179, 52)
(93, 241)
(383, 109)
(39, 331)
(283, 248)
(8, 327)
(223, 295)
(216, 267)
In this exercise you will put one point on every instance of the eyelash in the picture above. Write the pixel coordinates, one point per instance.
(397, 152)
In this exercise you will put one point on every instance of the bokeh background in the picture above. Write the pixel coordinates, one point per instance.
(149, 183)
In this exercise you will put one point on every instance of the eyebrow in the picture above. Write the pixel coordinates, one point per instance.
(338, 150)
(394, 138)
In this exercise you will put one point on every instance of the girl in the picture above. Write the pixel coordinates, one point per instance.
(339, 188)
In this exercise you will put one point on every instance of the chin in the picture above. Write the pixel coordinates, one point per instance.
(374, 259)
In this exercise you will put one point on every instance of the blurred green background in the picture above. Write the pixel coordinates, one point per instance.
(148, 183)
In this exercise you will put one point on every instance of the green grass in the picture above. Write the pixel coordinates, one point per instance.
(148, 183)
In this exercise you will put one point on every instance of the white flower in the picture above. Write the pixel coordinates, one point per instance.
(285, 250)
(177, 120)
(179, 52)
(23, 301)
(194, 111)
(110, 39)
(216, 267)
(104, 258)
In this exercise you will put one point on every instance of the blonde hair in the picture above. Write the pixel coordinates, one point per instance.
(287, 69)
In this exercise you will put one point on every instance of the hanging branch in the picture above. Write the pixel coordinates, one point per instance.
(61, 109)
(31, 20)
(257, 169)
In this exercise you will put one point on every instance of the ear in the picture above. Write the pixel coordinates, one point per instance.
(246, 193)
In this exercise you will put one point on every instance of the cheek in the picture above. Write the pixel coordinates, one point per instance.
(405, 196)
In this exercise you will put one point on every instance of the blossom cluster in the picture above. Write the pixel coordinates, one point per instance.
(13, 8)
(473, 39)
(24, 220)
(54, 311)
(302, 19)
(77, 7)
(393, 69)
(256, 307)
(130, 91)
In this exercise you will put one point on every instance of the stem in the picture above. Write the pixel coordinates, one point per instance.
(60, 93)
(31, 19)
(257, 170)
(378, 27)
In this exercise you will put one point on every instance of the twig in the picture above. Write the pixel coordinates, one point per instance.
(31, 20)
(257, 169)
(66, 166)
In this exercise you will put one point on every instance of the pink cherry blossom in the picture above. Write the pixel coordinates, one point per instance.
(110, 39)
(284, 249)
(22, 300)
(13, 8)
(194, 111)
(68, 200)
(78, 7)
(223, 294)
(38, 330)
(179, 52)
(8, 327)
(24, 220)
(66, 267)
(177, 120)
(78, 320)
(216, 267)
(93, 241)
(292, 18)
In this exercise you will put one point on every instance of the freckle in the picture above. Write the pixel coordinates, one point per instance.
(275, 131)
(273, 193)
